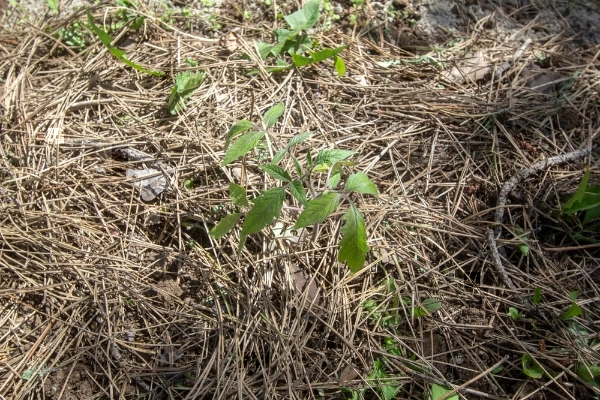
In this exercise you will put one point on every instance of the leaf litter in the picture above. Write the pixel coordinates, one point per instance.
(87, 283)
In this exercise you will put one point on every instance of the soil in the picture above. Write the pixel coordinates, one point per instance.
(180, 282)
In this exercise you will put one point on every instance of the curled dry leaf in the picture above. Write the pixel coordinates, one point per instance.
(470, 69)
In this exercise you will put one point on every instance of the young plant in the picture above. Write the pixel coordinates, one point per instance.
(296, 42)
(267, 206)
(119, 54)
(586, 198)
(514, 314)
(73, 35)
(378, 380)
(185, 84)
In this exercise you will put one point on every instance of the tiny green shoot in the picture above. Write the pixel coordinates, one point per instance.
(244, 136)
(514, 314)
(297, 43)
(185, 85)
(531, 367)
(438, 392)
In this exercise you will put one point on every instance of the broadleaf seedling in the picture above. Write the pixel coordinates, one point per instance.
(296, 42)
(185, 85)
(244, 136)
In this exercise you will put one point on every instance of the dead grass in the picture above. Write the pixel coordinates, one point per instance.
(105, 295)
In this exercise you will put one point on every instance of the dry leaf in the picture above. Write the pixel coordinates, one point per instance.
(229, 42)
(470, 69)
(349, 373)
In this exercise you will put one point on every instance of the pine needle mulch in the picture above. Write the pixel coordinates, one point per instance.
(105, 294)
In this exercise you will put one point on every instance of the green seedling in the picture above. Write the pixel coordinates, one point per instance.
(574, 310)
(378, 380)
(523, 247)
(73, 36)
(537, 296)
(589, 373)
(531, 367)
(586, 198)
(296, 42)
(119, 54)
(125, 16)
(438, 392)
(53, 6)
(185, 85)
(427, 307)
(387, 317)
(243, 137)
(191, 62)
(189, 184)
(514, 314)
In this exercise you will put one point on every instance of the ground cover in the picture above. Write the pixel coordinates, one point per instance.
(468, 149)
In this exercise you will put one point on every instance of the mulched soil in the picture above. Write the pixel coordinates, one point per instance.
(109, 292)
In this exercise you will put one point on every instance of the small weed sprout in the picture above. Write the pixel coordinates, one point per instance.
(296, 42)
(185, 84)
(268, 205)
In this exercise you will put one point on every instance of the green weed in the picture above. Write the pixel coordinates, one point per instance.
(185, 85)
(117, 53)
(586, 199)
(268, 205)
(298, 45)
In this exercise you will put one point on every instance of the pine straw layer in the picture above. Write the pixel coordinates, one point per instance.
(104, 293)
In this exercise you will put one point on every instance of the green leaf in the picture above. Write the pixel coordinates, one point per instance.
(578, 195)
(309, 159)
(185, 84)
(360, 182)
(282, 41)
(514, 314)
(334, 180)
(325, 54)
(300, 61)
(272, 115)
(588, 372)
(531, 368)
(297, 190)
(353, 246)
(524, 249)
(279, 156)
(283, 34)
(297, 166)
(263, 49)
(574, 294)
(236, 129)
(591, 199)
(438, 391)
(119, 54)
(241, 146)
(266, 207)
(188, 184)
(296, 140)
(330, 156)
(432, 305)
(388, 392)
(573, 311)
(591, 214)
(304, 18)
(281, 66)
(224, 226)
(238, 195)
(537, 296)
(429, 306)
(340, 66)
(318, 209)
(276, 172)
